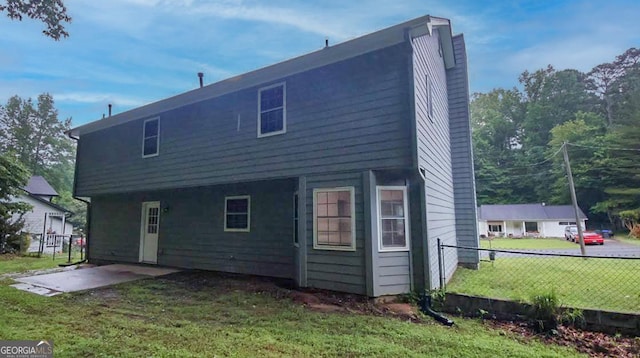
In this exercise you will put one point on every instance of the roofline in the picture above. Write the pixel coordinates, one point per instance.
(53, 205)
(371, 42)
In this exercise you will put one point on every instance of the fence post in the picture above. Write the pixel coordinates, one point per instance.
(441, 264)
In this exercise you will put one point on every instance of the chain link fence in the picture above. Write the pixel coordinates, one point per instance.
(590, 282)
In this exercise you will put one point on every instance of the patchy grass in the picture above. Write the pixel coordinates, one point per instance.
(527, 244)
(15, 263)
(609, 284)
(187, 314)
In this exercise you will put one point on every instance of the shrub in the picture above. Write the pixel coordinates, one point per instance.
(545, 311)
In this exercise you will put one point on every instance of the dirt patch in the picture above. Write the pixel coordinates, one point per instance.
(594, 344)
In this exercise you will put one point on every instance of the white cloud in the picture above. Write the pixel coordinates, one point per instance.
(99, 98)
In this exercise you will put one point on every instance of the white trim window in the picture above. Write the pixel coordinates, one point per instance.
(272, 112)
(334, 219)
(393, 218)
(237, 213)
(151, 137)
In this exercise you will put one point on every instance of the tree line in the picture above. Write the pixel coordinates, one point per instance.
(518, 134)
(33, 142)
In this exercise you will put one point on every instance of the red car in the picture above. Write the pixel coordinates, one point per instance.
(590, 237)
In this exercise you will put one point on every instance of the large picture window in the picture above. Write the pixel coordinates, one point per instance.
(393, 225)
(150, 137)
(334, 219)
(272, 116)
(237, 213)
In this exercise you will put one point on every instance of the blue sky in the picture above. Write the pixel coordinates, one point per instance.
(133, 52)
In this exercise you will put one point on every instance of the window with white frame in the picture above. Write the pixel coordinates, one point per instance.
(493, 227)
(272, 116)
(334, 219)
(237, 213)
(393, 220)
(150, 137)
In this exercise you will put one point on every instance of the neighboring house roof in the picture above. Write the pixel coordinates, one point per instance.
(37, 185)
(507, 212)
(330, 54)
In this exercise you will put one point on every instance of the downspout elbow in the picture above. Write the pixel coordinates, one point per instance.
(425, 307)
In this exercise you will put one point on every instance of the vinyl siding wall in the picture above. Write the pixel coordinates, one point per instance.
(192, 233)
(350, 115)
(330, 269)
(462, 156)
(434, 152)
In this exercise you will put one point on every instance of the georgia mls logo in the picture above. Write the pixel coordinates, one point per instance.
(26, 349)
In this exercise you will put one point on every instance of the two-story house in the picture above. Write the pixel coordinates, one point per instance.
(338, 169)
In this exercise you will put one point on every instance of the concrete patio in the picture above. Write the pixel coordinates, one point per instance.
(87, 278)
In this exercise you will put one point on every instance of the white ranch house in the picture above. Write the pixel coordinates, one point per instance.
(519, 220)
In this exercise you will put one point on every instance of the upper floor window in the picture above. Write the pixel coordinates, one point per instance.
(151, 137)
(334, 219)
(272, 114)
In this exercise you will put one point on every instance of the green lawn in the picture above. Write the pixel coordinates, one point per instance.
(628, 240)
(183, 316)
(610, 284)
(528, 243)
(13, 263)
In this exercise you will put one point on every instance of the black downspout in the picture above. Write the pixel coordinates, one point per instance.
(425, 307)
(88, 203)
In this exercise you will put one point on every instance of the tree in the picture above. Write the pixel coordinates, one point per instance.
(13, 176)
(52, 13)
(36, 135)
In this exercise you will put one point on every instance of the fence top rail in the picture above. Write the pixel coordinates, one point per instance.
(525, 252)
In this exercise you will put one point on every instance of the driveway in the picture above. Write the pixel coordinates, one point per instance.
(611, 248)
(87, 278)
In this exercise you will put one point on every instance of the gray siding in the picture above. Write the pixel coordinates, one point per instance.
(462, 155)
(350, 115)
(394, 274)
(337, 270)
(434, 150)
(192, 229)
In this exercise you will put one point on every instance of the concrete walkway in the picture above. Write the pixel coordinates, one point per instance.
(87, 278)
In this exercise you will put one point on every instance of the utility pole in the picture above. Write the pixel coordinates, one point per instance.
(572, 188)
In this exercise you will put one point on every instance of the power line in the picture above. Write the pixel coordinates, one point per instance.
(604, 147)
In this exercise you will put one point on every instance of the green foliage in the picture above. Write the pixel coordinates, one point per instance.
(35, 136)
(517, 134)
(608, 284)
(545, 311)
(52, 13)
(13, 176)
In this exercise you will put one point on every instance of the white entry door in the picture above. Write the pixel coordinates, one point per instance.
(150, 228)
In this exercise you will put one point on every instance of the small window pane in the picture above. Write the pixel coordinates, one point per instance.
(271, 121)
(271, 98)
(150, 128)
(237, 205)
(150, 146)
(237, 221)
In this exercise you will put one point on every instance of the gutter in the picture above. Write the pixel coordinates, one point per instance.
(88, 203)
